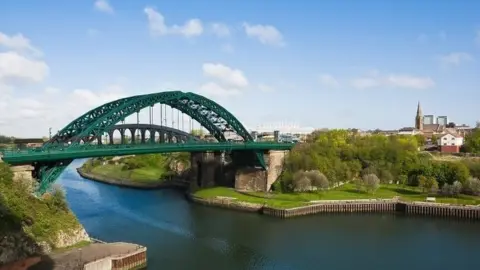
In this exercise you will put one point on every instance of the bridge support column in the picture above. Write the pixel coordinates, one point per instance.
(256, 179)
(195, 170)
(24, 174)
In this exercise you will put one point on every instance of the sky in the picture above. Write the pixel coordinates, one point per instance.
(319, 64)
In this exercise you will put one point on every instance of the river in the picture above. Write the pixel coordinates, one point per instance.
(180, 235)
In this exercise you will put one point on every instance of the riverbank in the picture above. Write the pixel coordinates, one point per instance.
(175, 183)
(286, 205)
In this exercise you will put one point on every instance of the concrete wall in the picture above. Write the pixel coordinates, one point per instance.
(102, 264)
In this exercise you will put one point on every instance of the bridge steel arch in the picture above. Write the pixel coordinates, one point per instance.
(88, 127)
(162, 130)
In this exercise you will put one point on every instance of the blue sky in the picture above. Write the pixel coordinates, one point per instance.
(334, 64)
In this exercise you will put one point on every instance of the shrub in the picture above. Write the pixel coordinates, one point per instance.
(318, 179)
(472, 186)
(371, 182)
(301, 182)
(457, 188)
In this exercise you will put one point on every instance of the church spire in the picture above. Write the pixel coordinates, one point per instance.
(419, 118)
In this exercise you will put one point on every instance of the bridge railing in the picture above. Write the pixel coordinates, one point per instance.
(86, 147)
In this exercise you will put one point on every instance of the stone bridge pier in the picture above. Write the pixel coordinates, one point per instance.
(255, 179)
(209, 169)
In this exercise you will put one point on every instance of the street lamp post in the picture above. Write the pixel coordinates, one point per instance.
(50, 133)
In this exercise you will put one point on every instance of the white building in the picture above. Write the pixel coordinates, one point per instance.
(450, 140)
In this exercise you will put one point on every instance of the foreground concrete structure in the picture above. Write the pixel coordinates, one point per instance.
(210, 169)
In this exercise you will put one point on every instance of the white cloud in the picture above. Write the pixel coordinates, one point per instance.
(51, 90)
(19, 43)
(158, 27)
(328, 81)
(226, 82)
(265, 88)
(226, 75)
(14, 66)
(266, 34)
(220, 29)
(455, 58)
(103, 6)
(393, 81)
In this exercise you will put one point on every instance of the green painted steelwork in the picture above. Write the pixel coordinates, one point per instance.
(74, 141)
(61, 153)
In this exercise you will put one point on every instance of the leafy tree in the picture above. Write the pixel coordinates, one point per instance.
(358, 183)
(473, 185)
(197, 132)
(427, 183)
(451, 125)
(457, 188)
(472, 142)
(420, 139)
(447, 189)
(371, 182)
(386, 177)
(301, 182)
(318, 179)
(402, 179)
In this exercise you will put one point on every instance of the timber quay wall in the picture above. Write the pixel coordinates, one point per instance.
(467, 212)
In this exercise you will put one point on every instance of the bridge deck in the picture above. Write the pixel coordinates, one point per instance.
(67, 152)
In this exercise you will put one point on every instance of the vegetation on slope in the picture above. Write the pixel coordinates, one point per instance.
(143, 168)
(341, 164)
(41, 218)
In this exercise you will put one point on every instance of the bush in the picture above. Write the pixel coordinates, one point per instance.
(318, 179)
(472, 186)
(371, 182)
(301, 182)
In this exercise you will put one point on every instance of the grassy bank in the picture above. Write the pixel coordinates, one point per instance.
(153, 168)
(40, 218)
(144, 175)
(346, 192)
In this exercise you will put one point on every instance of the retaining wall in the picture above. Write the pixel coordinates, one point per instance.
(226, 203)
(332, 207)
(134, 260)
(351, 206)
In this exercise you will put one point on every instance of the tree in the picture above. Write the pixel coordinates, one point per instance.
(318, 179)
(451, 125)
(472, 142)
(447, 189)
(473, 185)
(427, 183)
(358, 183)
(420, 139)
(197, 132)
(386, 177)
(402, 179)
(371, 182)
(457, 188)
(301, 182)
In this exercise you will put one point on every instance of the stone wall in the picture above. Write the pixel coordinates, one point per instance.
(256, 179)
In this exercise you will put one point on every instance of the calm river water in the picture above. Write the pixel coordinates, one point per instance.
(180, 235)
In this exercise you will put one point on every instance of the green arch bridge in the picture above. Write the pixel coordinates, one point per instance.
(82, 138)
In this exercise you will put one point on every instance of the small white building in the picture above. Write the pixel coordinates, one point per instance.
(450, 143)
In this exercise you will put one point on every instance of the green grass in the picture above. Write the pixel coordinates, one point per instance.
(80, 244)
(346, 192)
(146, 174)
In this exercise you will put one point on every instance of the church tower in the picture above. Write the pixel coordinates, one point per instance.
(419, 118)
